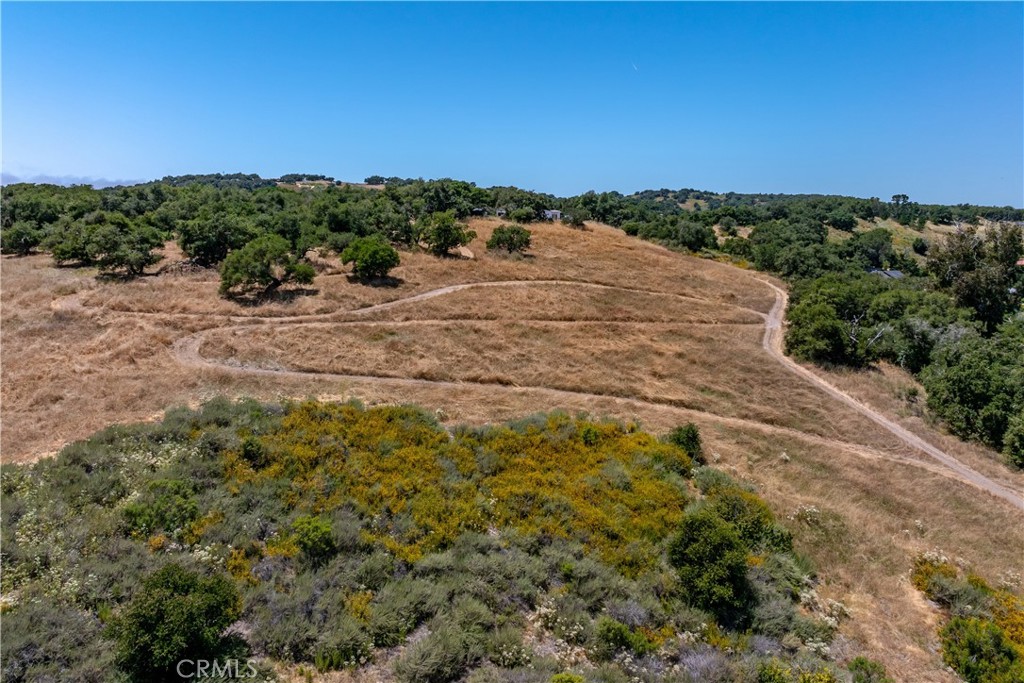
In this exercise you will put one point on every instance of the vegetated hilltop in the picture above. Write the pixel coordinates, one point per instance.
(484, 323)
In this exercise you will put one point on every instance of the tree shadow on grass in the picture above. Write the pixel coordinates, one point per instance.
(387, 281)
(251, 299)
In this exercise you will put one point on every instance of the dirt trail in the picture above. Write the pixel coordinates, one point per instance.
(772, 343)
(187, 352)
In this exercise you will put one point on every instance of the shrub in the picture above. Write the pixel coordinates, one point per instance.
(712, 562)
(980, 652)
(751, 517)
(614, 636)
(444, 655)
(774, 671)
(315, 537)
(46, 641)
(687, 437)
(567, 678)
(371, 257)
(265, 262)
(343, 644)
(178, 614)
(728, 226)
(167, 505)
(511, 238)
(865, 670)
(920, 246)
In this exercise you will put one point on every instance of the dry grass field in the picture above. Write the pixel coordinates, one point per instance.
(664, 339)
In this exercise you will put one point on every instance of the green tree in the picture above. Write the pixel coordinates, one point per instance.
(442, 233)
(696, 236)
(712, 563)
(817, 334)
(976, 384)
(371, 257)
(982, 272)
(177, 615)
(265, 262)
(21, 238)
(523, 214)
(208, 240)
(121, 246)
(842, 220)
(511, 238)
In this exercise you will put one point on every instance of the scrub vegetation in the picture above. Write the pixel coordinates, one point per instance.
(338, 537)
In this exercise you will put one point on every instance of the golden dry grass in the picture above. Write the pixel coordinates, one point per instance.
(78, 355)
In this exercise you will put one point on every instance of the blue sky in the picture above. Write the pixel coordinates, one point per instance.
(859, 99)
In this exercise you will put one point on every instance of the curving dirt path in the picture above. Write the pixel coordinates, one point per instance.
(772, 343)
(187, 352)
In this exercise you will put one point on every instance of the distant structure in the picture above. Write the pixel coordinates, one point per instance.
(552, 214)
(891, 274)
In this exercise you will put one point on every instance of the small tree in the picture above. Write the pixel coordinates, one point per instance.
(511, 238)
(371, 257)
(442, 233)
(178, 614)
(577, 217)
(265, 262)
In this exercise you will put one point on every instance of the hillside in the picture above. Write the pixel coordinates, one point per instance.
(589, 320)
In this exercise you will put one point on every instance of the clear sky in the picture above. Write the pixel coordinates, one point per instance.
(860, 99)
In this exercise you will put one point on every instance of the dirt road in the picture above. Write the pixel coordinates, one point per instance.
(772, 343)
(187, 352)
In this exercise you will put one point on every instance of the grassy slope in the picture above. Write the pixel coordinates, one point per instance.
(68, 371)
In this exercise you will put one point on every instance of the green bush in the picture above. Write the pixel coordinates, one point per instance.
(511, 238)
(865, 670)
(371, 257)
(178, 614)
(315, 537)
(444, 655)
(687, 437)
(567, 678)
(712, 562)
(165, 506)
(752, 519)
(614, 637)
(343, 644)
(980, 652)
